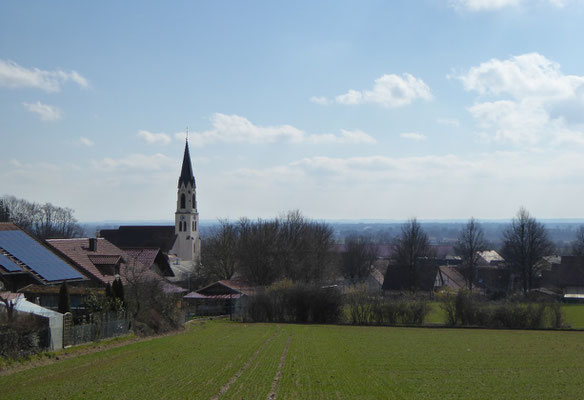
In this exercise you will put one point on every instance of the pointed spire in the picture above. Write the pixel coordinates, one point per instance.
(186, 173)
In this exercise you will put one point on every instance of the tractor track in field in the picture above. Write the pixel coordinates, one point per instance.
(274, 390)
(94, 347)
(245, 366)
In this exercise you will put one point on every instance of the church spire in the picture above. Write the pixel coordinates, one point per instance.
(186, 174)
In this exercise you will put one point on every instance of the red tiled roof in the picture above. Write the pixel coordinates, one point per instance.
(101, 259)
(144, 256)
(77, 250)
(8, 226)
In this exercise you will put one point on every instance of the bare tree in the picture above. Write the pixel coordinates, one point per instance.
(578, 243)
(304, 248)
(151, 306)
(525, 243)
(470, 241)
(219, 251)
(258, 251)
(4, 212)
(358, 257)
(412, 246)
(43, 221)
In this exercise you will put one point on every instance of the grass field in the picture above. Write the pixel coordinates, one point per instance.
(219, 359)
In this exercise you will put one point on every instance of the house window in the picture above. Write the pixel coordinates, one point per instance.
(182, 200)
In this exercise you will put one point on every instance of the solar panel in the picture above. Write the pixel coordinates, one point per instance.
(36, 256)
(8, 264)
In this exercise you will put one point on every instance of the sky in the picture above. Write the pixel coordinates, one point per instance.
(435, 109)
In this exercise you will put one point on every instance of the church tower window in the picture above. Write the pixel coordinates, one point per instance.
(182, 200)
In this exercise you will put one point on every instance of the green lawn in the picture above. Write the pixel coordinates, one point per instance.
(322, 362)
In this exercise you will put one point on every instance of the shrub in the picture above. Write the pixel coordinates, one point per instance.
(288, 302)
(467, 309)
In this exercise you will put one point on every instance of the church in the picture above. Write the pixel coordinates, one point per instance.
(181, 243)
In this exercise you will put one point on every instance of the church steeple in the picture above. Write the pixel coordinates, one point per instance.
(187, 246)
(186, 174)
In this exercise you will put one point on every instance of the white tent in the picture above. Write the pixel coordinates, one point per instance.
(55, 318)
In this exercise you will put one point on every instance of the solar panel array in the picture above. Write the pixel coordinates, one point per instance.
(36, 256)
(8, 264)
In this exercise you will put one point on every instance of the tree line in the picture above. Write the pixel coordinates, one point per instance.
(295, 248)
(40, 220)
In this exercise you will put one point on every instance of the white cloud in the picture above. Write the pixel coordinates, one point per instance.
(483, 5)
(529, 74)
(389, 91)
(533, 100)
(237, 129)
(44, 111)
(492, 5)
(141, 162)
(487, 168)
(86, 142)
(449, 122)
(154, 138)
(320, 100)
(13, 75)
(416, 137)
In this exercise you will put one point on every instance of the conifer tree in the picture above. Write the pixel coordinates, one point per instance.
(64, 300)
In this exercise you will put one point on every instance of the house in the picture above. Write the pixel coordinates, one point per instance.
(26, 261)
(399, 278)
(449, 278)
(102, 262)
(96, 258)
(566, 278)
(489, 258)
(152, 258)
(218, 298)
(181, 243)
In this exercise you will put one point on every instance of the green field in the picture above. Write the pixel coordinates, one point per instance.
(220, 359)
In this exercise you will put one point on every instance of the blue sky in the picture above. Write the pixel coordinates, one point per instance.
(438, 109)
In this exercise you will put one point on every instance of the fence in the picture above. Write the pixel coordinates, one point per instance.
(100, 328)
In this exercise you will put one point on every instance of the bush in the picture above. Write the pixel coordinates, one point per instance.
(467, 309)
(288, 302)
(23, 336)
(365, 309)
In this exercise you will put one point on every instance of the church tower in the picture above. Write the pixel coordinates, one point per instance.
(187, 246)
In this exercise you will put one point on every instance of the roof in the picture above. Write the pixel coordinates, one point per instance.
(77, 250)
(54, 289)
(20, 252)
(490, 256)
(186, 174)
(105, 259)
(227, 287)
(154, 236)
(398, 278)
(377, 275)
(145, 256)
(451, 277)
(196, 295)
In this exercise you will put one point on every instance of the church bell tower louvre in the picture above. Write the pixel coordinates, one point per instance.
(187, 246)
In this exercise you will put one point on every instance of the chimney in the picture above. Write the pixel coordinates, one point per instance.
(93, 244)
